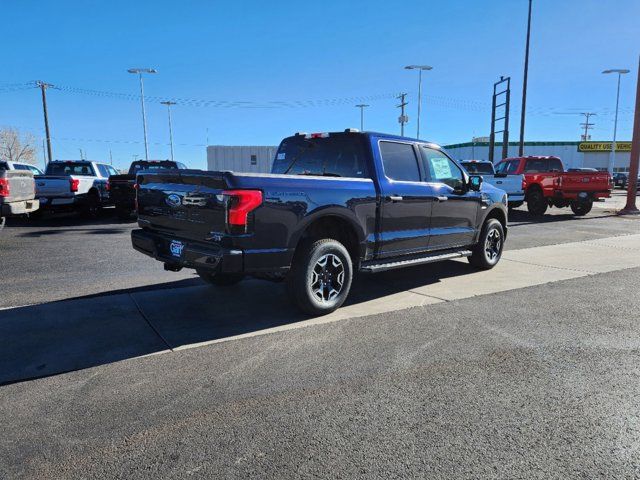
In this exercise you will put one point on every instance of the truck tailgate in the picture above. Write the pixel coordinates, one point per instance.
(572, 182)
(21, 186)
(53, 186)
(185, 203)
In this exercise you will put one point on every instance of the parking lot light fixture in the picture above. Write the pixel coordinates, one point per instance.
(420, 68)
(139, 72)
(612, 156)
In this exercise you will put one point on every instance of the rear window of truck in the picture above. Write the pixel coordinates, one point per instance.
(337, 155)
(159, 165)
(70, 168)
(478, 167)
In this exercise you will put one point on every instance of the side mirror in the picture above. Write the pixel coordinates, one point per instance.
(475, 183)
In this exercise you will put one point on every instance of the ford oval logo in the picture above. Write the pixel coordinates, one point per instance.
(173, 200)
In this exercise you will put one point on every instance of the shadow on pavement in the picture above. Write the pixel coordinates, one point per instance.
(57, 337)
(522, 217)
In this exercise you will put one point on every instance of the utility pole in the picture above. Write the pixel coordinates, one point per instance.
(402, 119)
(632, 186)
(43, 87)
(362, 106)
(110, 158)
(587, 126)
(168, 103)
(524, 85)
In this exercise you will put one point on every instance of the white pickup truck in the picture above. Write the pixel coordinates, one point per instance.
(78, 185)
(514, 185)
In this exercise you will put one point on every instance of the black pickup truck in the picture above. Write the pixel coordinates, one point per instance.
(335, 203)
(122, 187)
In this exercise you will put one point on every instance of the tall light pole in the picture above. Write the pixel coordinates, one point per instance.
(420, 68)
(362, 106)
(168, 103)
(612, 156)
(524, 85)
(139, 72)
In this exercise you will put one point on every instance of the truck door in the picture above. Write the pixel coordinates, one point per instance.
(405, 209)
(455, 208)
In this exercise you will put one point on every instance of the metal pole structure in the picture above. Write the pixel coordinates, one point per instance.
(43, 87)
(139, 72)
(612, 155)
(587, 125)
(632, 186)
(524, 85)
(168, 103)
(362, 106)
(420, 68)
(403, 118)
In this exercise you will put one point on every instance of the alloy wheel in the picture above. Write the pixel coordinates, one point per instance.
(493, 244)
(327, 278)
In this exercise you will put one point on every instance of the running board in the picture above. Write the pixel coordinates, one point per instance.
(382, 266)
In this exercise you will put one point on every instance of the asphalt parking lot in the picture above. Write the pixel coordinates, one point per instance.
(114, 368)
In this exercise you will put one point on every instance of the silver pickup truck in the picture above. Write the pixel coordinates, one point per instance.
(17, 192)
(512, 184)
(78, 185)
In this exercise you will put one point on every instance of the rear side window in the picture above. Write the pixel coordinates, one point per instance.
(536, 165)
(337, 155)
(400, 162)
(508, 168)
(104, 172)
(70, 168)
(555, 165)
(4, 166)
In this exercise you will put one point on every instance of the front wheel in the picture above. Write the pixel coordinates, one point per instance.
(536, 203)
(581, 208)
(488, 250)
(220, 279)
(320, 277)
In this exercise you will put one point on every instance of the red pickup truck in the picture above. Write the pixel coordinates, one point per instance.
(547, 184)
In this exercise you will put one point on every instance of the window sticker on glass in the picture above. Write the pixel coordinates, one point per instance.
(280, 156)
(441, 168)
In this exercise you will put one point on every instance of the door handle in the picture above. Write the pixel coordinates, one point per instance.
(394, 198)
(442, 198)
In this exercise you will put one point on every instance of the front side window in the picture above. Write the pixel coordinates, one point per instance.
(441, 168)
(399, 160)
(555, 165)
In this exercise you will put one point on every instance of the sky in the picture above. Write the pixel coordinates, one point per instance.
(253, 72)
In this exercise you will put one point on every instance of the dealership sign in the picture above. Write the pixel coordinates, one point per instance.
(603, 146)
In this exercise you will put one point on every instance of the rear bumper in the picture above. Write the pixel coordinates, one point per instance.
(212, 257)
(19, 208)
(581, 196)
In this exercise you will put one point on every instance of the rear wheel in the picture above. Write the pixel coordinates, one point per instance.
(220, 279)
(92, 206)
(320, 277)
(488, 250)
(581, 208)
(536, 203)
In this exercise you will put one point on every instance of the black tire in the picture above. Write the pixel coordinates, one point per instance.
(92, 207)
(488, 250)
(320, 277)
(220, 279)
(581, 208)
(536, 203)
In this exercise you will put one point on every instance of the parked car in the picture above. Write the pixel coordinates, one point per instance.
(23, 166)
(335, 203)
(621, 180)
(122, 187)
(547, 184)
(512, 184)
(78, 185)
(17, 192)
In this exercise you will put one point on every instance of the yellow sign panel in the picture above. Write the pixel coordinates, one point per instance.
(603, 147)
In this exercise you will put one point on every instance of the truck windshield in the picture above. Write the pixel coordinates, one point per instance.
(144, 165)
(338, 155)
(481, 168)
(70, 168)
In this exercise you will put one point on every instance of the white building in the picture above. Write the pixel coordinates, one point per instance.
(572, 154)
(257, 159)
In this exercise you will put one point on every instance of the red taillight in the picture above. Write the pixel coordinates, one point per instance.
(107, 186)
(241, 203)
(524, 183)
(73, 184)
(4, 187)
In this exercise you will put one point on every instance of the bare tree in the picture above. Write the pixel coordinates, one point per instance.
(17, 147)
